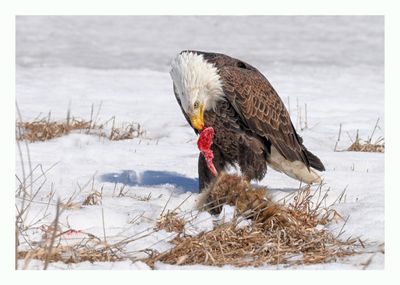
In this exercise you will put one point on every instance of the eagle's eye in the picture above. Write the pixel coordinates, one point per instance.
(196, 104)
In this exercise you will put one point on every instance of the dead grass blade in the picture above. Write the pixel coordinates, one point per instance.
(53, 236)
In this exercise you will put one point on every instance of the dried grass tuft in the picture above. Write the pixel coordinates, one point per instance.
(170, 222)
(45, 129)
(290, 233)
(364, 145)
(72, 254)
(235, 191)
(128, 132)
(367, 146)
(94, 198)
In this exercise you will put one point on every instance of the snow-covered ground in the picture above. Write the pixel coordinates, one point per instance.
(332, 64)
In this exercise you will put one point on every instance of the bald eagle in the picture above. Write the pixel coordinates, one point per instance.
(252, 126)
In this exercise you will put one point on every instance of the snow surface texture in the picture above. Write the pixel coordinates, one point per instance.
(333, 64)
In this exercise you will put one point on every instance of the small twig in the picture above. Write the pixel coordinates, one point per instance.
(349, 137)
(341, 229)
(16, 244)
(98, 112)
(53, 236)
(300, 120)
(49, 117)
(68, 116)
(121, 191)
(165, 206)
(376, 125)
(305, 115)
(338, 139)
(102, 216)
(184, 200)
(357, 136)
(112, 129)
(91, 119)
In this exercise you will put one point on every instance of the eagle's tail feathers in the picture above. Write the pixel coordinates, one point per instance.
(295, 169)
(314, 161)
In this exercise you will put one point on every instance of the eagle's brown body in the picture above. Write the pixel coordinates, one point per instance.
(249, 122)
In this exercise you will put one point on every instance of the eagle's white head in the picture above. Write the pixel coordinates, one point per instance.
(197, 84)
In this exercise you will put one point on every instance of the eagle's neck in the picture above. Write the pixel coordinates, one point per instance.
(196, 79)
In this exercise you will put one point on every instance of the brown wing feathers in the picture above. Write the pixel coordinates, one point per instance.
(259, 105)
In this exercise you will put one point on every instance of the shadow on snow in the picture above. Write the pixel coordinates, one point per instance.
(153, 178)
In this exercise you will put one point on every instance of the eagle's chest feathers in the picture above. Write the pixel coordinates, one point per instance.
(228, 134)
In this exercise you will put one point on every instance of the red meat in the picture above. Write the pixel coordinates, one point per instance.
(204, 144)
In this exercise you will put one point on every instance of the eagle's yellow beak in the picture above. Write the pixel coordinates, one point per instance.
(197, 119)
